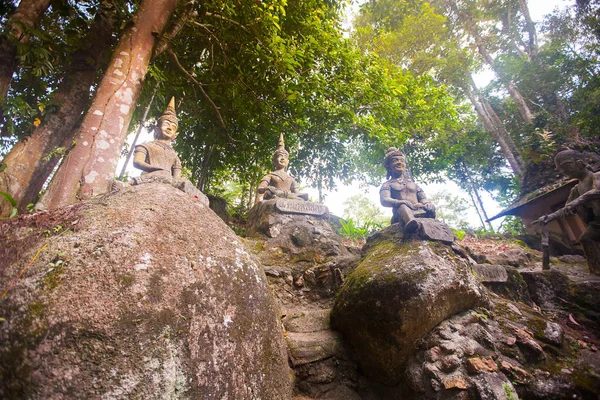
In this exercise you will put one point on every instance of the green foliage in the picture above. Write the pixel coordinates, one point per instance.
(460, 234)
(512, 226)
(451, 209)
(510, 395)
(352, 231)
(13, 203)
(363, 212)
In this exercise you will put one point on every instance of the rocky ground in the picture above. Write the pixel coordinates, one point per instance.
(536, 337)
(148, 293)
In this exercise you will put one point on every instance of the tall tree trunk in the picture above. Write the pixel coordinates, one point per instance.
(88, 170)
(27, 14)
(494, 126)
(203, 178)
(29, 162)
(530, 27)
(476, 192)
(476, 208)
(515, 95)
(137, 133)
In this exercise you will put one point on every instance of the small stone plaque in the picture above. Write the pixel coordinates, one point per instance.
(300, 207)
(491, 273)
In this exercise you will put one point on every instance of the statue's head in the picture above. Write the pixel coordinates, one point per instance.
(571, 163)
(167, 123)
(281, 156)
(394, 162)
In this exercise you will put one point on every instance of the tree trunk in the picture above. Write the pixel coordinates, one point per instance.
(476, 192)
(88, 170)
(476, 208)
(29, 162)
(515, 95)
(203, 178)
(530, 27)
(27, 14)
(494, 126)
(137, 133)
(174, 29)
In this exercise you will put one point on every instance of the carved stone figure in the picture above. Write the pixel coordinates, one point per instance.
(407, 199)
(584, 200)
(278, 183)
(157, 159)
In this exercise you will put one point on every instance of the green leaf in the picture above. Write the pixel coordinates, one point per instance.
(9, 198)
(3, 166)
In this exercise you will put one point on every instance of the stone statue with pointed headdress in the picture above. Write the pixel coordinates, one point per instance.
(278, 183)
(158, 158)
(407, 199)
(159, 161)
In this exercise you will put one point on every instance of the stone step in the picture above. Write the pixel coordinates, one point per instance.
(307, 321)
(307, 347)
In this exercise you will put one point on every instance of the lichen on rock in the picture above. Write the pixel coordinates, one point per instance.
(398, 293)
(159, 299)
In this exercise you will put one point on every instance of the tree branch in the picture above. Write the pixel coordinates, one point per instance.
(202, 91)
(174, 29)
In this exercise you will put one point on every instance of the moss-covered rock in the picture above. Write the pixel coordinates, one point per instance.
(396, 295)
(155, 297)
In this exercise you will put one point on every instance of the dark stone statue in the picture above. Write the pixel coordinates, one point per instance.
(159, 161)
(407, 199)
(278, 183)
(584, 200)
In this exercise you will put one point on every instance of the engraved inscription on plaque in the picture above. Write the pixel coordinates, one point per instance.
(300, 207)
(491, 273)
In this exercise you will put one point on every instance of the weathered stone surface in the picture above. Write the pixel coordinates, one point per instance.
(395, 297)
(434, 230)
(478, 365)
(494, 386)
(514, 288)
(300, 207)
(491, 273)
(431, 230)
(155, 298)
(551, 288)
(306, 237)
(219, 206)
(515, 256)
(310, 347)
(307, 321)
(553, 333)
(492, 367)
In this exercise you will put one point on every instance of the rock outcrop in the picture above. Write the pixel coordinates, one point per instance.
(145, 293)
(398, 293)
(306, 236)
(506, 351)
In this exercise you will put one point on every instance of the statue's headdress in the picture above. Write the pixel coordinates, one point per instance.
(169, 114)
(280, 149)
(392, 152)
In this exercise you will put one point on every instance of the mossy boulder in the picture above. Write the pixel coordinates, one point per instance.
(396, 295)
(145, 293)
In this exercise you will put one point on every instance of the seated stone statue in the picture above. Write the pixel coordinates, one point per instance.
(405, 197)
(278, 183)
(584, 200)
(157, 159)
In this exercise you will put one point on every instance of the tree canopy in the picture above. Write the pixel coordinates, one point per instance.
(242, 72)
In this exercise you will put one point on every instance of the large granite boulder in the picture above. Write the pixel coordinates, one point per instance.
(399, 292)
(145, 293)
